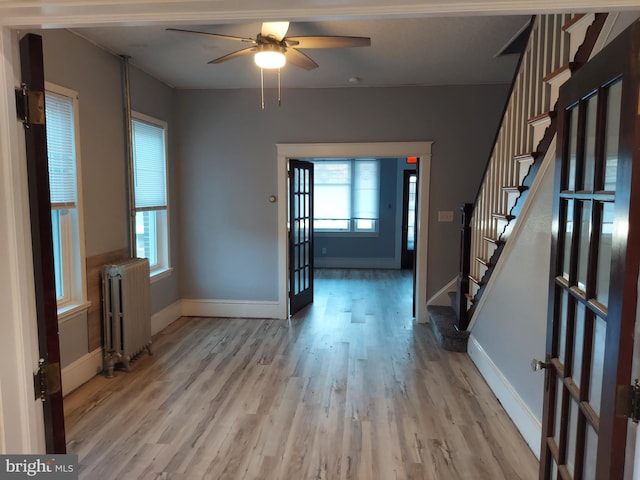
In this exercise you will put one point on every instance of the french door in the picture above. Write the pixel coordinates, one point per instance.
(594, 267)
(32, 67)
(300, 235)
(409, 197)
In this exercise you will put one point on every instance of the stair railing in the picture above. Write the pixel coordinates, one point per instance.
(544, 65)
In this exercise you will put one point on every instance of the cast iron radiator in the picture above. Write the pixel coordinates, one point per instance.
(126, 307)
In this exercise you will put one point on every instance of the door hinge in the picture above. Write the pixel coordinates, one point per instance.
(628, 401)
(46, 380)
(30, 106)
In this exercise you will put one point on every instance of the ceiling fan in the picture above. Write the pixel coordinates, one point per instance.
(273, 48)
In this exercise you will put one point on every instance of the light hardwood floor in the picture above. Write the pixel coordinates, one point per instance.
(350, 388)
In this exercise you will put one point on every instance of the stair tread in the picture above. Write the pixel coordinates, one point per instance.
(475, 280)
(515, 188)
(576, 18)
(525, 156)
(503, 216)
(497, 241)
(540, 117)
(483, 261)
(558, 71)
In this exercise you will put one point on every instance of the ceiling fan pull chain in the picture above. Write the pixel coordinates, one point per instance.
(279, 96)
(262, 88)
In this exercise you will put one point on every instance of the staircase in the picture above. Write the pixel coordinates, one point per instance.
(558, 45)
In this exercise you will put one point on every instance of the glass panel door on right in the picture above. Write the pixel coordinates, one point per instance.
(583, 436)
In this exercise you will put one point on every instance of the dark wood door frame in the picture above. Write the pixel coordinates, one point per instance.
(32, 69)
(407, 258)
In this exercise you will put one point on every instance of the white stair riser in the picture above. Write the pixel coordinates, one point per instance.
(578, 31)
(523, 168)
(512, 198)
(539, 127)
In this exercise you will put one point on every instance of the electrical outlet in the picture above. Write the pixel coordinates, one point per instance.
(445, 216)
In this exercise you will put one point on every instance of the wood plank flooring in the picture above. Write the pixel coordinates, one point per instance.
(351, 388)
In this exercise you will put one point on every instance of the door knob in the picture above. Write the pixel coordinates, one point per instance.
(537, 365)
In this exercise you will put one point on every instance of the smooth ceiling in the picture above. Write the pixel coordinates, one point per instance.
(404, 51)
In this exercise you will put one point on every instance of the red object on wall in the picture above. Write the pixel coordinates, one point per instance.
(412, 159)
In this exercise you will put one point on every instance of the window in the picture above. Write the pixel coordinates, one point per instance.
(61, 110)
(346, 195)
(150, 191)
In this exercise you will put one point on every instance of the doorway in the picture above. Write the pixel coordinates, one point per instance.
(356, 150)
(409, 197)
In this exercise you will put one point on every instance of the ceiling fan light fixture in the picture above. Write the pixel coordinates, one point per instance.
(270, 56)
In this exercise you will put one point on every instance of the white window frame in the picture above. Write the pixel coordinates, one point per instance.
(162, 268)
(352, 228)
(72, 245)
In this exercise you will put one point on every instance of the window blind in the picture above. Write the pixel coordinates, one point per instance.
(149, 165)
(366, 189)
(332, 190)
(61, 148)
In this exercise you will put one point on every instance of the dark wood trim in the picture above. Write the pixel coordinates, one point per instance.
(407, 260)
(462, 312)
(32, 70)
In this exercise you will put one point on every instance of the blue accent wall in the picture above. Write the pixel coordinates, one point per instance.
(340, 248)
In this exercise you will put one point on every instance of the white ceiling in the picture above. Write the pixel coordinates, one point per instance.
(410, 51)
(414, 42)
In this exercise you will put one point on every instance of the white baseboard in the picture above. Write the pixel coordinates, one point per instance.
(529, 426)
(441, 297)
(231, 308)
(345, 262)
(166, 317)
(81, 371)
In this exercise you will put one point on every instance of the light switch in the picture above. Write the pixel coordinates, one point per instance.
(445, 216)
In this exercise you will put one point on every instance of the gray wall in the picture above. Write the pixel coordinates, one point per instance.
(223, 162)
(155, 99)
(95, 74)
(227, 170)
(511, 326)
(379, 245)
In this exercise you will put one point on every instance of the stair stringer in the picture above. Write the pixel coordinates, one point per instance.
(508, 327)
(583, 54)
(515, 229)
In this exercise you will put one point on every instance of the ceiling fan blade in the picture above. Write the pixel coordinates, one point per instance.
(328, 42)
(299, 59)
(217, 35)
(275, 30)
(233, 55)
